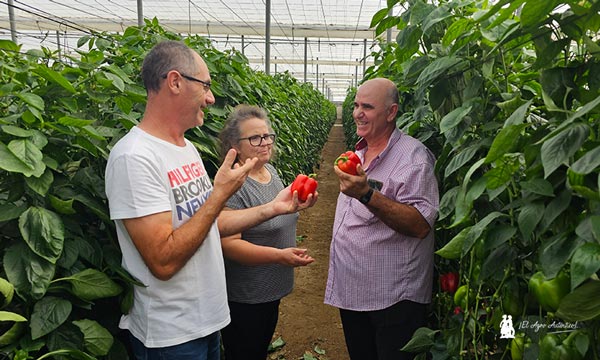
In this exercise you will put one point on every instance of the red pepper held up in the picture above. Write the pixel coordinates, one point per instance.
(305, 185)
(347, 162)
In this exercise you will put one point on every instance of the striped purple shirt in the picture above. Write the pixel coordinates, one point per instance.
(371, 266)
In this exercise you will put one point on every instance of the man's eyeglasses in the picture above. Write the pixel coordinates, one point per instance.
(257, 140)
(206, 84)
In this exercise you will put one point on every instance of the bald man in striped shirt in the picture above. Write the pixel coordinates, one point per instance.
(381, 256)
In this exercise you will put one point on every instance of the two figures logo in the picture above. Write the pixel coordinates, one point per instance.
(507, 331)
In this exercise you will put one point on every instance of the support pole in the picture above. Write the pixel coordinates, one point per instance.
(13, 23)
(140, 13)
(268, 37)
(305, 57)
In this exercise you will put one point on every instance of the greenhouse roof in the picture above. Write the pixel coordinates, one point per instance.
(334, 33)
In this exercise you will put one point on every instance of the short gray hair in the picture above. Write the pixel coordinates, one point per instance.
(166, 56)
(230, 134)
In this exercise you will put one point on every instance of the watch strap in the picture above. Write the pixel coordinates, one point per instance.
(366, 197)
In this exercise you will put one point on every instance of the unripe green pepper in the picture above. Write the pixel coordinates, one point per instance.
(549, 292)
(555, 347)
(518, 346)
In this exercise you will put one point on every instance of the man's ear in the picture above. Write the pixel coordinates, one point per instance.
(392, 111)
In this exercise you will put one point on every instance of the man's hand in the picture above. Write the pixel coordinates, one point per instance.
(353, 185)
(230, 177)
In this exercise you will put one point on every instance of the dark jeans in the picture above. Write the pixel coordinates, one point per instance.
(249, 334)
(380, 334)
(206, 348)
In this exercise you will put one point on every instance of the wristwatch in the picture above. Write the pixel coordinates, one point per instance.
(366, 197)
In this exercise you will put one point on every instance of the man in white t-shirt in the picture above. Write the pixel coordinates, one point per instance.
(165, 206)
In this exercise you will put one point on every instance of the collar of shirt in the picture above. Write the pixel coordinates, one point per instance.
(361, 146)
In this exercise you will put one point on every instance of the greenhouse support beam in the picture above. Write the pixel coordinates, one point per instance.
(305, 57)
(140, 12)
(13, 24)
(268, 37)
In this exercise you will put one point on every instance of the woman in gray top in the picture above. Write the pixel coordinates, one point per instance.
(259, 261)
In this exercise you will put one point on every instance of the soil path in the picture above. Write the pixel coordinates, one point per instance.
(306, 324)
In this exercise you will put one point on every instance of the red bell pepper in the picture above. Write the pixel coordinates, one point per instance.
(347, 162)
(305, 185)
(449, 282)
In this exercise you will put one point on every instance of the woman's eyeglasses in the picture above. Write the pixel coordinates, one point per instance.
(257, 140)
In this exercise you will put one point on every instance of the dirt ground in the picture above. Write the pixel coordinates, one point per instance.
(306, 324)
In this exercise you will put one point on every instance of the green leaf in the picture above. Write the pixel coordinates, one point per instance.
(116, 81)
(454, 118)
(456, 29)
(588, 162)
(555, 208)
(48, 314)
(276, 344)
(529, 217)
(76, 122)
(11, 316)
(535, 11)
(538, 186)
(62, 206)
(439, 14)
(97, 339)
(565, 144)
(72, 354)
(421, 341)
(452, 250)
(10, 211)
(499, 258)
(437, 68)
(518, 116)
(460, 159)
(17, 131)
(43, 231)
(91, 284)
(504, 142)
(41, 184)
(578, 305)
(478, 229)
(584, 263)
(33, 100)
(23, 156)
(30, 274)
(555, 252)
(53, 76)
(7, 291)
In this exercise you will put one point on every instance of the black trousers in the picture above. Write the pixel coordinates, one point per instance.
(380, 334)
(249, 334)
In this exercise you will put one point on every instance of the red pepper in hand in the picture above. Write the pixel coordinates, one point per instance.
(449, 282)
(347, 162)
(305, 185)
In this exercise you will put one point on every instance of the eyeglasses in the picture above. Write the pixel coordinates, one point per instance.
(206, 84)
(257, 140)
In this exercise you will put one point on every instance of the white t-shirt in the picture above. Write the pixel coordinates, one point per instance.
(146, 175)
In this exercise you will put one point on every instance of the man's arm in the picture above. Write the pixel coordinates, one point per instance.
(236, 221)
(166, 250)
(400, 217)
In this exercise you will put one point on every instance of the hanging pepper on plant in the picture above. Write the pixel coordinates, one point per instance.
(347, 162)
(449, 282)
(556, 346)
(549, 292)
(305, 185)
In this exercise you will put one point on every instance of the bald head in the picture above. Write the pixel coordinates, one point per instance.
(383, 87)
